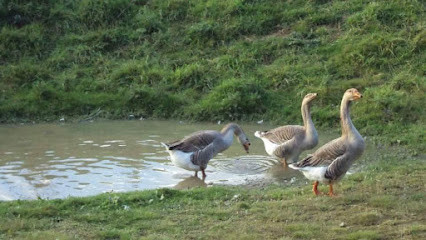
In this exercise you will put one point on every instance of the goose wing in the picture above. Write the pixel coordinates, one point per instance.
(325, 155)
(195, 142)
(203, 156)
(282, 134)
(338, 167)
(285, 148)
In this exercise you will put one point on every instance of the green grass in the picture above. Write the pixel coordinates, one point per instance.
(215, 60)
(224, 60)
(383, 200)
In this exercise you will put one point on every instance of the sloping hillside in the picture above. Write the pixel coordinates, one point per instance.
(215, 60)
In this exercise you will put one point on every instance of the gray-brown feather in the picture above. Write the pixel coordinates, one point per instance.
(202, 157)
(282, 134)
(338, 168)
(325, 155)
(287, 148)
(195, 142)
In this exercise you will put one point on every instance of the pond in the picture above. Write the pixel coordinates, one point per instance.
(51, 161)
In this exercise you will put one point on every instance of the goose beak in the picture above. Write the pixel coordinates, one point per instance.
(246, 146)
(357, 95)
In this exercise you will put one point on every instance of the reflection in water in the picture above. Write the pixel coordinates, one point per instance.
(246, 164)
(57, 161)
(190, 182)
(282, 173)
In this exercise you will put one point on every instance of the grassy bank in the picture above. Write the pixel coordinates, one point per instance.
(215, 60)
(384, 200)
(224, 60)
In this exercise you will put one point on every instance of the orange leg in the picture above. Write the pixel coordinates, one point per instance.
(204, 174)
(315, 188)
(330, 191)
(284, 163)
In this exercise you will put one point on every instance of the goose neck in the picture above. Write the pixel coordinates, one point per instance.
(311, 132)
(228, 138)
(345, 118)
(306, 115)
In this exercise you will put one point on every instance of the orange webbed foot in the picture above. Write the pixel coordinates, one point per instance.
(315, 188)
(330, 192)
(204, 174)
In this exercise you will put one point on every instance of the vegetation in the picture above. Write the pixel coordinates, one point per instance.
(215, 60)
(386, 200)
(223, 60)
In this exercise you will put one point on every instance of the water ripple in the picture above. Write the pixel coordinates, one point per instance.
(87, 159)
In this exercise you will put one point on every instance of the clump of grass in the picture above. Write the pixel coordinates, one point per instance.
(366, 219)
(231, 98)
(304, 231)
(29, 41)
(362, 234)
(386, 202)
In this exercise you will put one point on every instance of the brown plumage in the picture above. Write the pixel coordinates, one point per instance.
(194, 152)
(325, 155)
(283, 134)
(194, 142)
(331, 162)
(288, 142)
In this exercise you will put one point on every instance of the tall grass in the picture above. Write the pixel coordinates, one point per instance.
(215, 60)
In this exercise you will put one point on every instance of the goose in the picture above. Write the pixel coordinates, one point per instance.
(330, 162)
(194, 152)
(288, 142)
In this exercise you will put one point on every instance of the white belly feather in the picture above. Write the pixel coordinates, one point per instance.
(313, 173)
(269, 146)
(183, 160)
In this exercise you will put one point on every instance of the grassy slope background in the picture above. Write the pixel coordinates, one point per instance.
(223, 60)
(215, 60)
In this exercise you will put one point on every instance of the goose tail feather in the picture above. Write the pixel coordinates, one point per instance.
(165, 145)
(294, 167)
(258, 134)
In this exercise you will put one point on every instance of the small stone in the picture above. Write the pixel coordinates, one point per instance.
(236, 196)
(342, 224)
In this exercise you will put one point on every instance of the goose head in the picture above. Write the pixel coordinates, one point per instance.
(244, 141)
(352, 94)
(241, 136)
(309, 97)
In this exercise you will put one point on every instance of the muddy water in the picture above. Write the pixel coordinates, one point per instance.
(60, 160)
